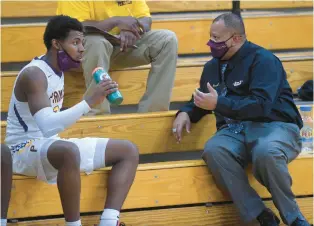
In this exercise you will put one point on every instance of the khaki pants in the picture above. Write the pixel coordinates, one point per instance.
(158, 48)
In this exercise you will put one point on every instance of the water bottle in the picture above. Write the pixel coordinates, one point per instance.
(307, 130)
(114, 98)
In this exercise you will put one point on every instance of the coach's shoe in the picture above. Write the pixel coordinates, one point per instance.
(300, 222)
(121, 224)
(268, 218)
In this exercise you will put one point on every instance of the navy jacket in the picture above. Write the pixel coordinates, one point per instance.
(257, 85)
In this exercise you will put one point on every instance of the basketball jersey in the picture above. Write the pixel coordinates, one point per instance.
(21, 125)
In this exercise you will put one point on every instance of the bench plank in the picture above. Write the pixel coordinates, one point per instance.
(152, 132)
(152, 188)
(132, 82)
(275, 4)
(268, 32)
(17, 9)
(217, 215)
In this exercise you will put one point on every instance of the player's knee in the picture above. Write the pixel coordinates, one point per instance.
(64, 154)
(72, 155)
(6, 158)
(132, 152)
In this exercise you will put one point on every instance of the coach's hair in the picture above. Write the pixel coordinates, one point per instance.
(59, 27)
(233, 21)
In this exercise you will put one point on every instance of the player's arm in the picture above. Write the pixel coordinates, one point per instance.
(34, 85)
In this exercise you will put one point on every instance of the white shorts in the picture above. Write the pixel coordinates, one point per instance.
(30, 157)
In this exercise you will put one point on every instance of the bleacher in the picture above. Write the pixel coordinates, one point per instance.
(172, 185)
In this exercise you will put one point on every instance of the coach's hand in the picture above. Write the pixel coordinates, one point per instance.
(130, 24)
(127, 39)
(182, 120)
(103, 89)
(206, 101)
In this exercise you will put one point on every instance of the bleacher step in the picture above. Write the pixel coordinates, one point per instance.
(132, 81)
(155, 185)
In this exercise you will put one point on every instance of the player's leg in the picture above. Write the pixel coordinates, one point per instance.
(6, 182)
(95, 153)
(53, 161)
(64, 158)
(123, 156)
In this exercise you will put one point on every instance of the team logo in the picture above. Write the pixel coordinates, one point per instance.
(56, 109)
(122, 3)
(20, 148)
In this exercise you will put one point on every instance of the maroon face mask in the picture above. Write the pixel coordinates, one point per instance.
(218, 49)
(66, 62)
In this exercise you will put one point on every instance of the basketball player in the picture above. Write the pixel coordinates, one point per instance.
(35, 119)
(6, 182)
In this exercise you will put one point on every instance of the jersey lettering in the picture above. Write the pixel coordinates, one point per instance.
(57, 96)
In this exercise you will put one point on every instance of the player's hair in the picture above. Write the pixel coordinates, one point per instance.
(233, 21)
(59, 27)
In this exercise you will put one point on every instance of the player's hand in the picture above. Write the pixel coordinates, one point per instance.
(103, 89)
(181, 121)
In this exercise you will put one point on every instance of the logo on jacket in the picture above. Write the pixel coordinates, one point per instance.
(215, 85)
(235, 84)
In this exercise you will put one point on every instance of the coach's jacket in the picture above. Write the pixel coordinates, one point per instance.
(257, 86)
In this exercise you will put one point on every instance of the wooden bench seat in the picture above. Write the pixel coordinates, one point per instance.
(217, 215)
(132, 81)
(156, 185)
(267, 29)
(151, 132)
(162, 184)
(18, 9)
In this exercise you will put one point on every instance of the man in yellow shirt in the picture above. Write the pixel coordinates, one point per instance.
(132, 21)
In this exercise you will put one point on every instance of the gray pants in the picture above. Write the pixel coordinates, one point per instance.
(270, 147)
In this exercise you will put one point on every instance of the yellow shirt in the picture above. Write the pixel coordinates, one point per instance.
(102, 10)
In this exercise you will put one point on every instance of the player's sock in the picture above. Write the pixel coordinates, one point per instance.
(109, 217)
(3, 222)
(75, 223)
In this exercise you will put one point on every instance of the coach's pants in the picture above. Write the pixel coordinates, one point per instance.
(270, 147)
(157, 47)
